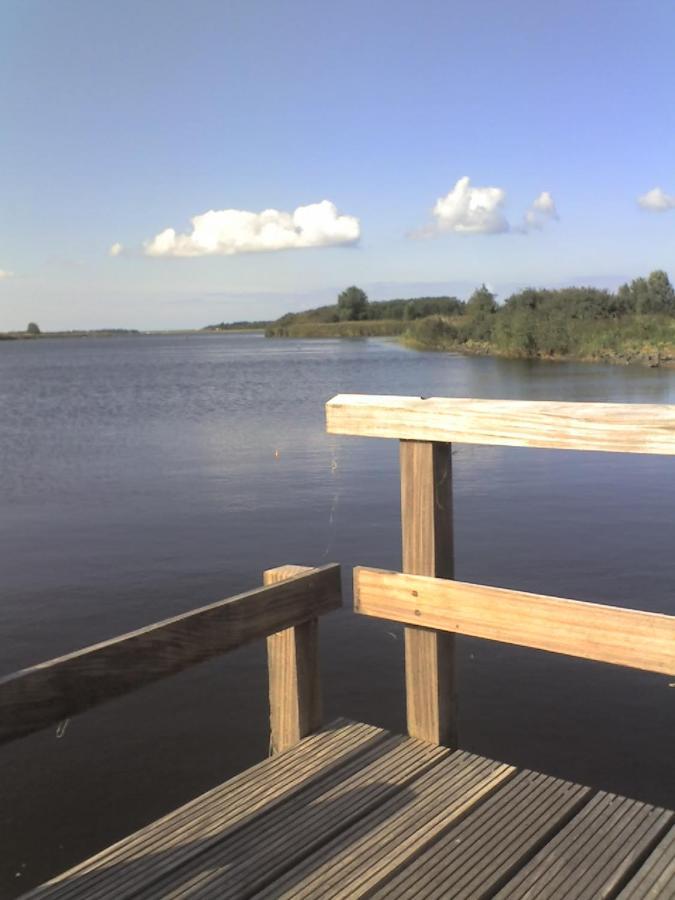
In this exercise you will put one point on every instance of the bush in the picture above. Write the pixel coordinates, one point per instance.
(434, 333)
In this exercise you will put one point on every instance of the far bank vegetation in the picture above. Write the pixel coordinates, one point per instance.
(634, 324)
(355, 316)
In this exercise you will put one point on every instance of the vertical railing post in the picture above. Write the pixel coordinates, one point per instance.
(426, 522)
(293, 666)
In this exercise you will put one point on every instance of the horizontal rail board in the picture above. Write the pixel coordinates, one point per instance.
(625, 637)
(52, 691)
(615, 427)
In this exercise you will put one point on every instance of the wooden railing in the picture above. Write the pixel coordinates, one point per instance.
(424, 597)
(284, 611)
(434, 607)
(614, 427)
(625, 637)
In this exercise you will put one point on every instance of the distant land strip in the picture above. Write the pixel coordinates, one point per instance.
(635, 324)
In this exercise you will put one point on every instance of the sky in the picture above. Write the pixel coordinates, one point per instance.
(167, 165)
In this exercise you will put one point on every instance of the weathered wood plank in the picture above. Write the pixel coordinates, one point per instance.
(140, 859)
(271, 843)
(594, 854)
(475, 857)
(615, 427)
(293, 666)
(55, 690)
(427, 544)
(353, 811)
(361, 857)
(625, 637)
(656, 876)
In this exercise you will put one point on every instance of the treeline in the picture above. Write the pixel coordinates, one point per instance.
(376, 310)
(353, 306)
(238, 326)
(637, 322)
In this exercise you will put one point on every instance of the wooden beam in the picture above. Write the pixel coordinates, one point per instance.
(426, 524)
(294, 684)
(617, 427)
(55, 690)
(625, 637)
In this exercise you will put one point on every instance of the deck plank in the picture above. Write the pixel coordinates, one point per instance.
(594, 854)
(474, 858)
(360, 856)
(257, 854)
(354, 811)
(172, 840)
(656, 877)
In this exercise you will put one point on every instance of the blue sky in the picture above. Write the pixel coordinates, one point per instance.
(120, 121)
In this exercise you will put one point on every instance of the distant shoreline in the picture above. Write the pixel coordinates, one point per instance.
(435, 334)
(361, 329)
(423, 336)
(120, 333)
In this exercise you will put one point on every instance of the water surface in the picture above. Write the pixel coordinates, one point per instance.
(143, 476)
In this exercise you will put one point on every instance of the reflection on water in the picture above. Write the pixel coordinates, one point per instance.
(144, 476)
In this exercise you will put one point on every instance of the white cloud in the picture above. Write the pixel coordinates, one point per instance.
(657, 200)
(116, 249)
(479, 210)
(225, 232)
(5, 274)
(541, 211)
(471, 210)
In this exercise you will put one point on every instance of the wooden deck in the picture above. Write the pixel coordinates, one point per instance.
(355, 811)
(349, 810)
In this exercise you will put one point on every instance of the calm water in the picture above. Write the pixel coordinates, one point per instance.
(143, 476)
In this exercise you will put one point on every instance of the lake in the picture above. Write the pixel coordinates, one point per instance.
(144, 476)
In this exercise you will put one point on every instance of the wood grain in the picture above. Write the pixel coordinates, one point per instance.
(294, 683)
(616, 427)
(592, 856)
(625, 637)
(54, 690)
(497, 837)
(124, 869)
(354, 863)
(656, 878)
(268, 845)
(426, 524)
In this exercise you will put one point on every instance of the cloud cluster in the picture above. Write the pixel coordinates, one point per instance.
(116, 249)
(472, 210)
(541, 211)
(225, 232)
(5, 274)
(657, 200)
(479, 210)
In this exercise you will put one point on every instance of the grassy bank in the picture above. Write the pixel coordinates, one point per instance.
(374, 328)
(635, 324)
(644, 339)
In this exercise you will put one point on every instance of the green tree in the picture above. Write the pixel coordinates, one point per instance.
(635, 296)
(482, 302)
(661, 296)
(33, 328)
(654, 294)
(353, 304)
(480, 309)
(625, 299)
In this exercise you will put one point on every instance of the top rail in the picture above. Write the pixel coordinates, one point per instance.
(55, 690)
(614, 427)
